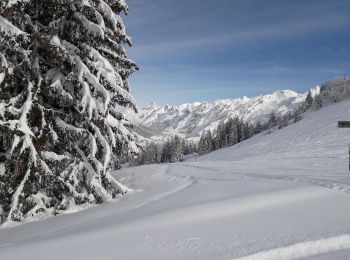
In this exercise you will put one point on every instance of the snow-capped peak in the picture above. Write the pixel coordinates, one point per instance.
(190, 119)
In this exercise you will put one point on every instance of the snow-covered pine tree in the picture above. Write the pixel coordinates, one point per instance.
(240, 129)
(202, 144)
(232, 132)
(177, 153)
(206, 142)
(189, 147)
(258, 128)
(219, 140)
(166, 152)
(309, 100)
(210, 141)
(63, 79)
(336, 89)
(318, 101)
(154, 153)
(298, 114)
(248, 130)
(283, 120)
(273, 120)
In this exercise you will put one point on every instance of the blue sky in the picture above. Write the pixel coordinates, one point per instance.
(204, 50)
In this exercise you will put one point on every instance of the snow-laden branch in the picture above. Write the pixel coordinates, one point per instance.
(12, 3)
(105, 71)
(17, 194)
(8, 28)
(85, 74)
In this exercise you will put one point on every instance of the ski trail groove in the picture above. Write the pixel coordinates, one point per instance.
(303, 250)
(306, 180)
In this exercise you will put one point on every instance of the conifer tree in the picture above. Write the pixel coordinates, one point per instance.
(206, 143)
(189, 147)
(273, 120)
(63, 78)
(283, 121)
(309, 100)
(240, 129)
(298, 114)
(258, 128)
(221, 132)
(318, 102)
(248, 130)
(232, 132)
(202, 144)
(166, 152)
(151, 154)
(177, 151)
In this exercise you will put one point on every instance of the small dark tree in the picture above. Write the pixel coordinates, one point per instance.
(273, 120)
(309, 100)
(240, 129)
(206, 143)
(318, 102)
(258, 128)
(298, 115)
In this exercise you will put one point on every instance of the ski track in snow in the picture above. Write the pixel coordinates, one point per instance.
(160, 196)
(306, 180)
(303, 250)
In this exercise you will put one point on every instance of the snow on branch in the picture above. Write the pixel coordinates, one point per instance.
(8, 28)
(3, 62)
(107, 72)
(85, 74)
(92, 28)
(12, 3)
(17, 194)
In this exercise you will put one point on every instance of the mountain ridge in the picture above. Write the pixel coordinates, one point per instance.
(189, 120)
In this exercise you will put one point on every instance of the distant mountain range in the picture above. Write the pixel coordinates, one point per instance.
(189, 120)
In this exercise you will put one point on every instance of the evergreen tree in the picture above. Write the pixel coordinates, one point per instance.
(309, 100)
(232, 133)
(240, 129)
(206, 143)
(189, 147)
(140, 159)
(202, 143)
(248, 130)
(283, 121)
(318, 102)
(273, 120)
(177, 152)
(221, 132)
(210, 141)
(258, 128)
(63, 76)
(152, 154)
(166, 152)
(336, 89)
(298, 115)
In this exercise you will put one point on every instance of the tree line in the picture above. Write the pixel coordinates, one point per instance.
(173, 150)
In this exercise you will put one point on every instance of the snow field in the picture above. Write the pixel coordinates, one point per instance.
(282, 195)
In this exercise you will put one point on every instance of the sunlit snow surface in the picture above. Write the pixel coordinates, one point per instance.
(282, 195)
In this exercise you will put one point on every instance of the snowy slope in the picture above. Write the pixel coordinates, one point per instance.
(189, 120)
(282, 195)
